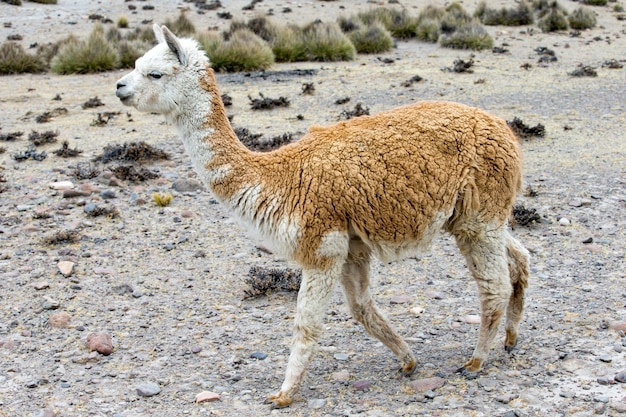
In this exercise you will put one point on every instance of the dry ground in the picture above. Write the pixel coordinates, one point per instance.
(182, 323)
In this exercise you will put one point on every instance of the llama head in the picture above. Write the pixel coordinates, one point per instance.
(163, 77)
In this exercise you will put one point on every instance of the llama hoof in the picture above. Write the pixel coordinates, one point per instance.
(509, 349)
(277, 401)
(467, 374)
(408, 369)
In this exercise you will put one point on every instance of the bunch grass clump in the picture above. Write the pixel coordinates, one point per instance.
(122, 22)
(15, 60)
(326, 42)
(398, 22)
(95, 54)
(182, 26)
(595, 2)
(371, 39)
(553, 21)
(44, 1)
(582, 18)
(244, 51)
(518, 16)
(469, 36)
(454, 18)
(289, 44)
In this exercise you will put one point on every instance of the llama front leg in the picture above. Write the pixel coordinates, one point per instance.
(315, 291)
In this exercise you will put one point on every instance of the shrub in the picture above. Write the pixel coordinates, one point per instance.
(371, 39)
(262, 27)
(454, 18)
(244, 51)
(428, 30)
(80, 57)
(146, 34)
(289, 44)
(553, 21)
(210, 41)
(470, 36)
(398, 22)
(431, 12)
(582, 18)
(595, 2)
(544, 7)
(45, 1)
(129, 51)
(182, 26)
(122, 22)
(349, 24)
(519, 16)
(14, 60)
(326, 42)
(618, 8)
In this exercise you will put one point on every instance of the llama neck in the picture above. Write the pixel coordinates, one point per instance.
(219, 158)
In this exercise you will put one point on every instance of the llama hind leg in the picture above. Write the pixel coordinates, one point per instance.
(518, 260)
(313, 297)
(487, 260)
(355, 284)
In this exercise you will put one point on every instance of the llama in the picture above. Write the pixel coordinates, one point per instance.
(374, 186)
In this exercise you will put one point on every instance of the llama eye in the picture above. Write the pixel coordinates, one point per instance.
(155, 74)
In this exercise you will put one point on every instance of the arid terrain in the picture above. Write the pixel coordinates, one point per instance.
(167, 284)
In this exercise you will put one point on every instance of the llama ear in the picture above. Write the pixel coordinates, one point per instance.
(174, 45)
(158, 33)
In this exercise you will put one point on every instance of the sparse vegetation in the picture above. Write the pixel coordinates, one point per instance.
(595, 2)
(398, 22)
(244, 51)
(44, 138)
(15, 60)
(470, 36)
(162, 200)
(524, 217)
(132, 151)
(182, 26)
(122, 22)
(262, 281)
(519, 16)
(326, 42)
(266, 103)
(81, 57)
(554, 17)
(523, 131)
(62, 236)
(65, 152)
(372, 38)
(582, 18)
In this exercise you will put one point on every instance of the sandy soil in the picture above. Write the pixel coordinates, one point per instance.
(167, 283)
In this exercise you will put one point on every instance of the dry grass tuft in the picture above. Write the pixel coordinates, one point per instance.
(132, 151)
(182, 26)
(262, 281)
(470, 36)
(162, 200)
(244, 51)
(81, 57)
(582, 18)
(15, 60)
(372, 38)
(326, 42)
(519, 16)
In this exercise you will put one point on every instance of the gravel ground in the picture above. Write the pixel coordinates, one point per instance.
(166, 284)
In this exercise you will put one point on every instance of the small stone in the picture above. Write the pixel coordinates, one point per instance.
(564, 222)
(74, 193)
(362, 385)
(430, 394)
(621, 376)
(61, 185)
(100, 342)
(148, 389)
(186, 214)
(107, 194)
(603, 380)
(90, 208)
(506, 398)
(400, 299)
(341, 376)
(426, 384)
(88, 188)
(341, 356)
(196, 349)
(599, 408)
(416, 311)
(48, 412)
(258, 355)
(436, 295)
(620, 326)
(601, 399)
(572, 365)
(566, 394)
(66, 268)
(41, 285)
(619, 407)
(575, 203)
(316, 403)
(59, 320)
(207, 396)
(605, 358)
(471, 319)
(186, 186)
(103, 271)
(50, 303)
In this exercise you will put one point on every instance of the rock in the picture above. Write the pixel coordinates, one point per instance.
(506, 398)
(148, 389)
(107, 194)
(41, 285)
(186, 214)
(316, 403)
(66, 268)
(362, 385)
(572, 365)
(196, 349)
(341, 356)
(601, 399)
(605, 358)
(603, 380)
(564, 222)
(416, 311)
(48, 412)
(59, 320)
(74, 193)
(100, 342)
(61, 185)
(103, 271)
(341, 376)
(49, 303)
(207, 396)
(90, 208)
(619, 407)
(434, 294)
(400, 299)
(471, 319)
(186, 186)
(258, 355)
(426, 384)
(620, 326)
(621, 376)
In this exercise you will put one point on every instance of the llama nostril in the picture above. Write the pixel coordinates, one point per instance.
(120, 85)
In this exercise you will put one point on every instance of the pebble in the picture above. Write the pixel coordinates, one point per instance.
(572, 365)
(103, 271)
(434, 294)
(621, 376)
(341, 376)
(316, 403)
(341, 356)
(400, 299)
(620, 326)
(186, 186)
(49, 303)
(74, 193)
(258, 355)
(90, 208)
(100, 342)
(61, 185)
(605, 358)
(416, 311)
(107, 194)
(471, 319)
(601, 399)
(66, 268)
(41, 285)
(196, 349)
(564, 222)
(506, 398)
(362, 385)
(427, 384)
(205, 396)
(59, 320)
(603, 380)
(148, 389)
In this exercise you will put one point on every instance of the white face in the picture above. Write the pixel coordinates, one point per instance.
(151, 87)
